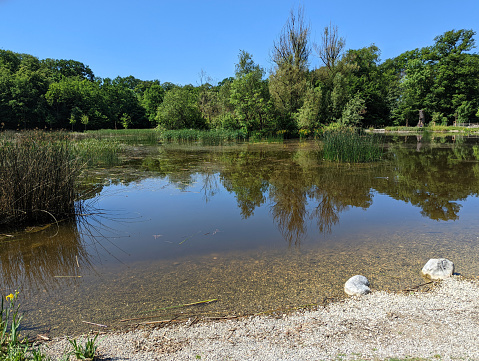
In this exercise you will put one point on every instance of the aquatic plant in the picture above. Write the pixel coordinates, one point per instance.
(204, 137)
(127, 136)
(37, 177)
(94, 152)
(347, 145)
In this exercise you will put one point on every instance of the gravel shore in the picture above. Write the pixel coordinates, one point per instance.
(440, 324)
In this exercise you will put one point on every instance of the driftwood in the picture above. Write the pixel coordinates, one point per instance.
(416, 287)
(161, 321)
(95, 324)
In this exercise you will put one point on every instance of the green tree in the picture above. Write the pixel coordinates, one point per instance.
(84, 119)
(439, 78)
(151, 99)
(125, 120)
(288, 82)
(353, 111)
(307, 116)
(180, 109)
(58, 69)
(250, 97)
(464, 111)
(367, 79)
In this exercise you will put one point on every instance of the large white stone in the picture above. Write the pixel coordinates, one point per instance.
(357, 286)
(438, 268)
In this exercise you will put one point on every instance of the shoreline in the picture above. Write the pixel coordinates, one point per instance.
(442, 323)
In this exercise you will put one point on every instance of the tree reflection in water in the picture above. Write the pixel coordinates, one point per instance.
(42, 258)
(300, 187)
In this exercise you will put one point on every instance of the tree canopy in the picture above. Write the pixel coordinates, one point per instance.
(350, 87)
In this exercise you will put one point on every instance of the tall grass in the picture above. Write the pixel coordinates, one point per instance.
(127, 136)
(351, 147)
(37, 177)
(204, 137)
(97, 152)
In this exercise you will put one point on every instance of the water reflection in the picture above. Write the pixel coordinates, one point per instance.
(218, 222)
(299, 187)
(42, 258)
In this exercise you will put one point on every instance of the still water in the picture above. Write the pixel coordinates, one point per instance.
(258, 227)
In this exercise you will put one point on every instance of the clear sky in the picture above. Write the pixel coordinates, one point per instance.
(173, 41)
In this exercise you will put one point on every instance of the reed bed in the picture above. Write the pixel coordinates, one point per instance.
(204, 137)
(350, 146)
(127, 136)
(97, 152)
(37, 177)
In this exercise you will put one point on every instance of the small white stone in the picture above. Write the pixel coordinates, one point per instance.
(438, 268)
(357, 286)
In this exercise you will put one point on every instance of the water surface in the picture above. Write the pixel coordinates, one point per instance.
(259, 227)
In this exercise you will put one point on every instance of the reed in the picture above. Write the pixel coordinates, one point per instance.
(127, 136)
(204, 137)
(349, 146)
(37, 177)
(97, 152)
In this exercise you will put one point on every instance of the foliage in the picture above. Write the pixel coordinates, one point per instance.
(353, 112)
(442, 78)
(288, 82)
(307, 117)
(439, 119)
(347, 145)
(249, 96)
(180, 110)
(86, 351)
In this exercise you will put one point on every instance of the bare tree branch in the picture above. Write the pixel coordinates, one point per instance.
(292, 47)
(331, 47)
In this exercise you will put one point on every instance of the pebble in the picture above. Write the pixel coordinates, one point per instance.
(379, 325)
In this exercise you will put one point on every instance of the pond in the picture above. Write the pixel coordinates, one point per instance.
(255, 227)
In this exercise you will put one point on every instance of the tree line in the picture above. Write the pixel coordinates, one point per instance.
(350, 88)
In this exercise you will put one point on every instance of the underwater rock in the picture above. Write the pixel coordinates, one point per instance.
(438, 268)
(357, 286)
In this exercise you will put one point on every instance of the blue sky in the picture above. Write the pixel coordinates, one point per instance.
(175, 40)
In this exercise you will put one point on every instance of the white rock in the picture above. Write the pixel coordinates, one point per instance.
(438, 268)
(357, 286)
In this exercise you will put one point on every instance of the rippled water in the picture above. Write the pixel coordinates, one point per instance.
(259, 227)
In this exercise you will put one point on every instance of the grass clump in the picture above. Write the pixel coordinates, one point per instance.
(204, 137)
(402, 129)
(37, 177)
(348, 146)
(127, 136)
(87, 351)
(97, 152)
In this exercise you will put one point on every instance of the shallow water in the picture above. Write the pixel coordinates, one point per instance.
(259, 227)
